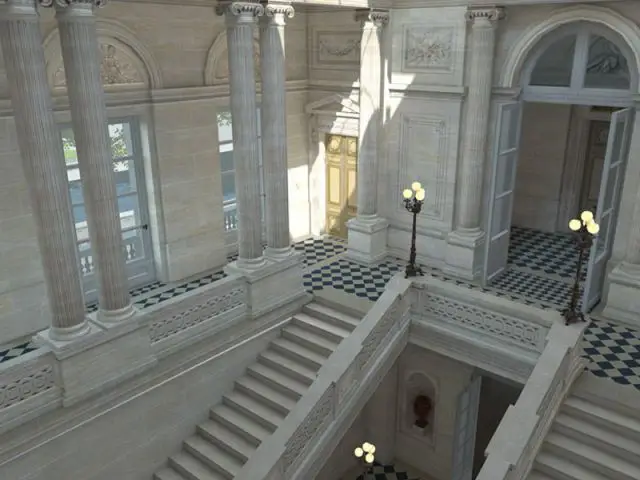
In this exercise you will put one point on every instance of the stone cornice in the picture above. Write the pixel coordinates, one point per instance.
(493, 14)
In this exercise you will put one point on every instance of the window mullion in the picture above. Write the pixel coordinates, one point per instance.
(580, 61)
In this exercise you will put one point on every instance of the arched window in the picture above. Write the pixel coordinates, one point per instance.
(581, 64)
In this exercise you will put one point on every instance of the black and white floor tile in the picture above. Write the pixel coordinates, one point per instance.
(9, 352)
(317, 250)
(385, 472)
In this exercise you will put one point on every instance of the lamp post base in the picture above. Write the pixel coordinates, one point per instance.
(412, 270)
(571, 316)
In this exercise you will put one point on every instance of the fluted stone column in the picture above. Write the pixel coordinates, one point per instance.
(463, 257)
(367, 232)
(274, 128)
(241, 19)
(82, 59)
(43, 165)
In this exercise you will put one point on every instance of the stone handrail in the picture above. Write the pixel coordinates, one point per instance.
(516, 442)
(28, 388)
(280, 457)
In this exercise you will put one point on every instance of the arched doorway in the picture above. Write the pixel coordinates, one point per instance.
(559, 149)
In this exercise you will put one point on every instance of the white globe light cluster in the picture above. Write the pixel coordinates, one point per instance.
(366, 452)
(416, 189)
(586, 219)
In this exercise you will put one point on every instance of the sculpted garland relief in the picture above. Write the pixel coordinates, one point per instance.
(427, 48)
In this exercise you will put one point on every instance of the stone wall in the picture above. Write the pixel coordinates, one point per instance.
(171, 75)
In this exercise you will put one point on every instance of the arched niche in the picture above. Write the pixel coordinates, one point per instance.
(216, 70)
(417, 383)
(605, 22)
(126, 62)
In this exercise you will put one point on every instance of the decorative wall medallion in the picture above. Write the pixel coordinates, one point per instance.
(337, 49)
(427, 48)
(115, 69)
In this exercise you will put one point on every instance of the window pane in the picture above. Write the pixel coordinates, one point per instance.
(224, 127)
(120, 135)
(125, 175)
(554, 66)
(228, 187)
(80, 219)
(69, 147)
(133, 246)
(226, 161)
(129, 211)
(606, 65)
(75, 187)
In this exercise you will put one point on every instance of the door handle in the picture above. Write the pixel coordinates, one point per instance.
(144, 227)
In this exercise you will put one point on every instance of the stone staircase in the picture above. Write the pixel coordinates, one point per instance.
(595, 436)
(262, 398)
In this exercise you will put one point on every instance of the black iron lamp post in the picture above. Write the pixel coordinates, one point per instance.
(585, 230)
(365, 454)
(413, 201)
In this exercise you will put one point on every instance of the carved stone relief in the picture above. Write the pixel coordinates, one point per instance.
(427, 48)
(337, 49)
(115, 69)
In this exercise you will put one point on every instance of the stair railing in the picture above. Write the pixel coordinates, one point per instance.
(347, 379)
(520, 434)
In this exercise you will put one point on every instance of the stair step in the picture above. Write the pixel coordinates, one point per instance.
(167, 473)
(563, 469)
(595, 459)
(227, 439)
(288, 367)
(331, 315)
(240, 424)
(266, 394)
(267, 417)
(321, 327)
(536, 475)
(597, 436)
(278, 380)
(604, 417)
(309, 339)
(295, 351)
(193, 469)
(213, 456)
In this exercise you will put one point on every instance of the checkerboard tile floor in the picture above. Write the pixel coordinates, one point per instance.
(385, 472)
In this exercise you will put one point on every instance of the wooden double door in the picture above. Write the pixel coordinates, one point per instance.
(341, 157)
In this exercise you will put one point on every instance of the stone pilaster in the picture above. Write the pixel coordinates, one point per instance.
(274, 128)
(241, 19)
(43, 165)
(81, 57)
(465, 244)
(367, 240)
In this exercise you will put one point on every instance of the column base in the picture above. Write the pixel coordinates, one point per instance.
(67, 334)
(272, 284)
(464, 254)
(116, 316)
(367, 240)
(104, 356)
(623, 296)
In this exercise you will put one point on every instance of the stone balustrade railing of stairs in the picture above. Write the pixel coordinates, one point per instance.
(519, 437)
(298, 449)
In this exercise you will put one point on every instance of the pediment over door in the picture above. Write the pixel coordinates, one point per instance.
(335, 105)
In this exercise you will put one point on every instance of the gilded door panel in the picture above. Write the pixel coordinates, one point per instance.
(341, 165)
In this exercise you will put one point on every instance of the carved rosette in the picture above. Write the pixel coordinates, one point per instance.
(484, 16)
(67, 3)
(372, 18)
(240, 9)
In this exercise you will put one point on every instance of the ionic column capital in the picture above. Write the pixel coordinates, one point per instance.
(246, 11)
(484, 16)
(70, 3)
(372, 17)
(277, 13)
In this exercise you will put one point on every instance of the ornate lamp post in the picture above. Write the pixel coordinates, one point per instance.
(365, 454)
(413, 201)
(585, 229)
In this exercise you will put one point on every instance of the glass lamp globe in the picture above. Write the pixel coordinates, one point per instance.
(369, 458)
(593, 228)
(407, 193)
(575, 225)
(586, 216)
(415, 186)
(358, 452)
(420, 194)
